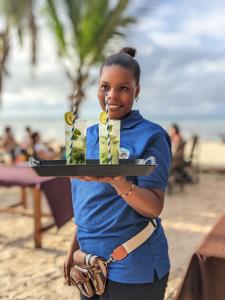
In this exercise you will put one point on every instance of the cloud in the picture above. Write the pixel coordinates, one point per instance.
(182, 58)
(181, 48)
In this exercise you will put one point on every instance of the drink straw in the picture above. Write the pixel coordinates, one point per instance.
(107, 127)
(73, 124)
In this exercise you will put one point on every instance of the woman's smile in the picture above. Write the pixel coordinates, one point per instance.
(114, 107)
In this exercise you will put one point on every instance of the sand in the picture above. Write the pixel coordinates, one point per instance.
(27, 273)
(208, 154)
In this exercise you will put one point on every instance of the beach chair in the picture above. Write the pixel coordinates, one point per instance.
(191, 163)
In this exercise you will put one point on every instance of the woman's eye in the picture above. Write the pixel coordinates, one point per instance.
(104, 87)
(124, 88)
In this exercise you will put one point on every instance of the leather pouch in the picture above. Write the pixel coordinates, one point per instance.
(90, 280)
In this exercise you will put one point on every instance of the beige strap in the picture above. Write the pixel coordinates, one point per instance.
(123, 250)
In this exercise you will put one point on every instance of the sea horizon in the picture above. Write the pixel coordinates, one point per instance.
(52, 127)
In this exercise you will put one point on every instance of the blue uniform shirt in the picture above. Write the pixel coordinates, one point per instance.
(105, 220)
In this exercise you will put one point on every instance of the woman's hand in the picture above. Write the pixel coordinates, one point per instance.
(67, 266)
(69, 258)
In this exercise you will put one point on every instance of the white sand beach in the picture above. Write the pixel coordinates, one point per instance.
(27, 273)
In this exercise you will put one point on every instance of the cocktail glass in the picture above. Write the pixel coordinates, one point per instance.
(114, 133)
(78, 143)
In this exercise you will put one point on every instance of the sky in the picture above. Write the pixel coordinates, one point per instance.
(181, 50)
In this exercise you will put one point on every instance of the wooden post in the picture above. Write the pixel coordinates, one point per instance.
(23, 197)
(37, 216)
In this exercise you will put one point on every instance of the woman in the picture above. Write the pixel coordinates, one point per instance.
(40, 150)
(177, 145)
(110, 210)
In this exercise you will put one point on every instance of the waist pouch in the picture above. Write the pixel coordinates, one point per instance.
(90, 278)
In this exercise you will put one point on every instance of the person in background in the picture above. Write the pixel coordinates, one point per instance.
(27, 140)
(177, 146)
(25, 149)
(179, 172)
(40, 150)
(8, 143)
(108, 211)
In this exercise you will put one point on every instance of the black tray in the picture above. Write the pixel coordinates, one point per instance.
(58, 168)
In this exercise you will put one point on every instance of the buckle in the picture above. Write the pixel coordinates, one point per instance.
(111, 259)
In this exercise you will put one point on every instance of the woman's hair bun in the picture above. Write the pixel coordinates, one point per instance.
(128, 50)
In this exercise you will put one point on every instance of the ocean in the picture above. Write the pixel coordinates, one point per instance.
(207, 128)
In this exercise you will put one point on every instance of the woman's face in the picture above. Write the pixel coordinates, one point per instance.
(121, 88)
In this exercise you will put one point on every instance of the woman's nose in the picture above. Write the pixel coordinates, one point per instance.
(111, 94)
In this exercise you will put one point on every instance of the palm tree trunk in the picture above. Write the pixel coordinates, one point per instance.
(33, 31)
(4, 51)
(78, 83)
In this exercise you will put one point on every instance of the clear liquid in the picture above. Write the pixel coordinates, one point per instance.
(78, 155)
(103, 149)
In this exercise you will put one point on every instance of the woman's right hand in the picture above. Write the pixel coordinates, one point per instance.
(69, 261)
(67, 266)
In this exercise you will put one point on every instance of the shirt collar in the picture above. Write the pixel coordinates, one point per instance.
(133, 119)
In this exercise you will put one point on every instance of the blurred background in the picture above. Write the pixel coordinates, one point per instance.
(180, 47)
(49, 48)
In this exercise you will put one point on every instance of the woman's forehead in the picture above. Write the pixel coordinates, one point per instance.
(116, 73)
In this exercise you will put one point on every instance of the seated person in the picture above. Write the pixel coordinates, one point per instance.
(178, 166)
(177, 144)
(40, 150)
(8, 143)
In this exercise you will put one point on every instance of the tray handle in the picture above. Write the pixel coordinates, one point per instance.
(151, 160)
(34, 162)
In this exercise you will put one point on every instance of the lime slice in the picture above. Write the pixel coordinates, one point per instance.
(103, 117)
(69, 117)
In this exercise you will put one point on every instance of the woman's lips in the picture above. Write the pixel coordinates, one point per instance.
(114, 107)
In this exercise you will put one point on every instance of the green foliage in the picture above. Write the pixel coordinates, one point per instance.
(15, 12)
(56, 26)
(83, 29)
(91, 24)
(16, 15)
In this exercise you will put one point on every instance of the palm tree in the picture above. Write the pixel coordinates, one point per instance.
(92, 24)
(16, 15)
(4, 51)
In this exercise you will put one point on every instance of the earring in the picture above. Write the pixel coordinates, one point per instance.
(136, 98)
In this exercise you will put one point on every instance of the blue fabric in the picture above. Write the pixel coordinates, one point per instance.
(105, 220)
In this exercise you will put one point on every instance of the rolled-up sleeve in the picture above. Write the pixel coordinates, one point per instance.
(159, 151)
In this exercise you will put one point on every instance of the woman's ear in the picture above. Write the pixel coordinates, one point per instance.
(137, 90)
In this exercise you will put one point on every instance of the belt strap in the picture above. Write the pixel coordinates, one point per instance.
(123, 250)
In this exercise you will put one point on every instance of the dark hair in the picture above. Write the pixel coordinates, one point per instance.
(176, 128)
(125, 59)
(27, 128)
(34, 136)
(8, 129)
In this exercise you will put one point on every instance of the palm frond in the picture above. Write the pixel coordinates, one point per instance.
(56, 26)
(74, 9)
(112, 22)
(33, 31)
(90, 26)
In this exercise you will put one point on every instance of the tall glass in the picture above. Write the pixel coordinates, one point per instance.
(114, 131)
(78, 143)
